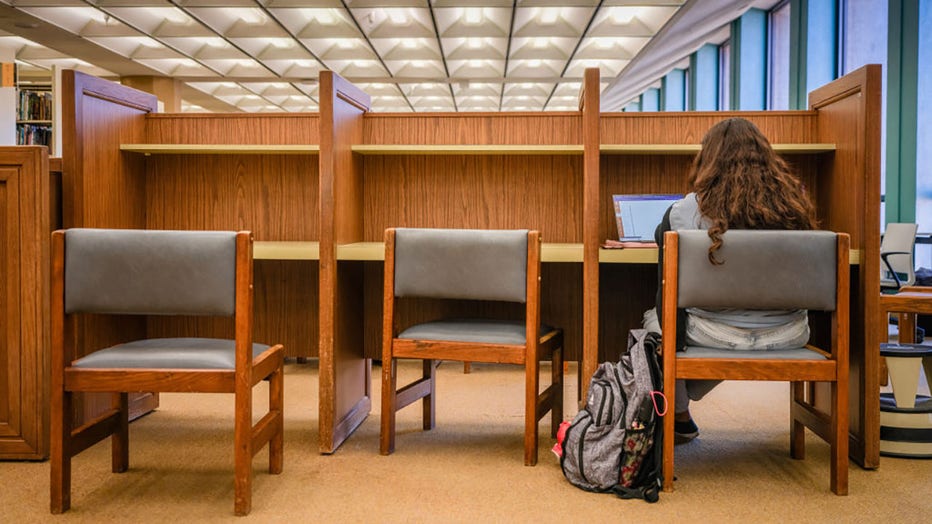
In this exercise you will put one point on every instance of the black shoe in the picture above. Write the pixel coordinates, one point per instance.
(685, 431)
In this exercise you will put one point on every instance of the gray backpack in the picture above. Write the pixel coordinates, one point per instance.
(614, 443)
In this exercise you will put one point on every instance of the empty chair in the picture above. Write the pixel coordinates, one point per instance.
(475, 265)
(896, 254)
(138, 272)
(767, 270)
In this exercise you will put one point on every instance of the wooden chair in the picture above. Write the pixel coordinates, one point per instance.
(126, 272)
(474, 265)
(765, 270)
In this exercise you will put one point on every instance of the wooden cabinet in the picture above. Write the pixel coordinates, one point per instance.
(24, 302)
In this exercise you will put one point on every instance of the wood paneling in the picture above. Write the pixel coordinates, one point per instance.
(850, 116)
(102, 187)
(460, 191)
(274, 196)
(247, 129)
(791, 127)
(472, 128)
(24, 302)
(345, 385)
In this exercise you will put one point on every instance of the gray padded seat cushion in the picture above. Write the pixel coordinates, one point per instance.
(472, 264)
(470, 330)
(127, 271)
(763, 269)
(168, 353)
(780, 354)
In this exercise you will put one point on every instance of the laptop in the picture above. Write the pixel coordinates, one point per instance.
(637, 216)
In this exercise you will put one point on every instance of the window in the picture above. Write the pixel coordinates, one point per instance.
(778, 54)
(687, 99)
(924, 134)
(863, 30)
(724, 76)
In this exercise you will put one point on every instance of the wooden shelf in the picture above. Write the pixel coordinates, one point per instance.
(637, 255)
(649, 256)
(376, 251)
(35, 122)
(549, 252)
(286, 250)
(691, 149)
(220, 149)
(410, 149)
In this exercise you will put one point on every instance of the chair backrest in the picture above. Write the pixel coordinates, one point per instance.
(898, 238)
(762, 269)
(461, 264)
(148, 272)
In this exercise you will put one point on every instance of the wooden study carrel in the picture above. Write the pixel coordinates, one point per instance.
(318, 190)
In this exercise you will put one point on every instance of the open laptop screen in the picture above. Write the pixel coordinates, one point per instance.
(637, 216)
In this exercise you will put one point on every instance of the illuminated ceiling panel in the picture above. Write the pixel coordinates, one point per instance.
(409, 55)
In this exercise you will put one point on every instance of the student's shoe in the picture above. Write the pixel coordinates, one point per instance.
(684, 431)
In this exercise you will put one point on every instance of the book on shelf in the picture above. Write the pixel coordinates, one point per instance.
(34, 105)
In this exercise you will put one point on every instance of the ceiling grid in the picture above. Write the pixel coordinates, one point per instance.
(408, 55)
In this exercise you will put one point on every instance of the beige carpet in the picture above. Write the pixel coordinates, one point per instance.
(469, 469)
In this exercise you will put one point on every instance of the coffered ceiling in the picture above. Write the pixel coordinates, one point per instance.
(409, 55)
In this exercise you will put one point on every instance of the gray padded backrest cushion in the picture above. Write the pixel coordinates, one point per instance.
(150, 272)
(461, 263)
(761, 270)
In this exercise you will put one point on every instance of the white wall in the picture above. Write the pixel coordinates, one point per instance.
(7, 103)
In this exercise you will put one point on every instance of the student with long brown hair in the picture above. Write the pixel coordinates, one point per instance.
(737, 182)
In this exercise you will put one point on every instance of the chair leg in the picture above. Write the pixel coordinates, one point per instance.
(277, 405)
(839, 444)
(389, 381)
(556, 409)
(242, 449)
(669, 390)
(429, 406)
(60, 452)
(119, 441)
(531, 387)
(797, 428)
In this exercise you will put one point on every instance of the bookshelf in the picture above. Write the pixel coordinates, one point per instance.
(34, 111)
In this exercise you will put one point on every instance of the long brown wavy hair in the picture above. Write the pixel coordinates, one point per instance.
(741, 183)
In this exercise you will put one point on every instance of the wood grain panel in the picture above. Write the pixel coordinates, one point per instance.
(626, 291)
(102, 188)
(689, 127)
(273, 196)
(236, 128)
(465, 191)
(24, 302)
(345, 373)
(850, 115)
(590, 106)
(472, 128)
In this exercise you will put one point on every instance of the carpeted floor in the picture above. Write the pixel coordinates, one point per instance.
(468, 469)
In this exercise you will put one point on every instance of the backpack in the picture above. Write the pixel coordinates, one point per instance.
(614, 444)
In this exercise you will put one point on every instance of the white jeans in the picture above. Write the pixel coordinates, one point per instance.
(686, 390)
